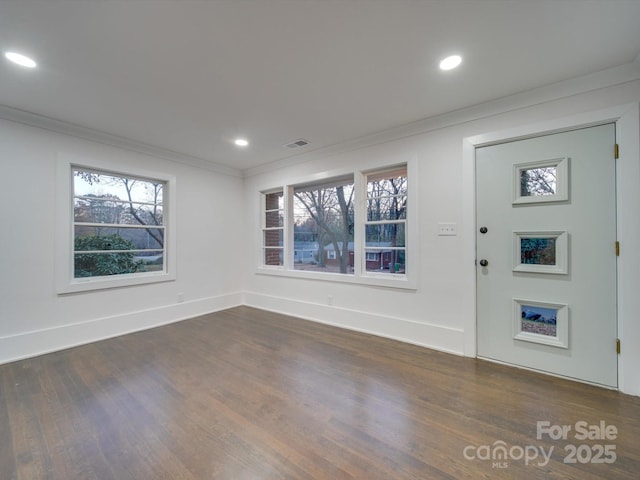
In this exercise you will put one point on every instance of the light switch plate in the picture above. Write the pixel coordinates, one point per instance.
(447, 229)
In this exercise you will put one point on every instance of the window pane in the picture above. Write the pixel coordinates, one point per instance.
(89, 183)
(273, 238)
(386, 184)
(323, 226)
(387, 195)
(397, 175)
(274, 219)
(274, 201)
(385, 235)
(105, 238)
(387, 208)
(273, 256)
(385, 261)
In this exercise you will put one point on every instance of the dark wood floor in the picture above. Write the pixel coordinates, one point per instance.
(246, 394)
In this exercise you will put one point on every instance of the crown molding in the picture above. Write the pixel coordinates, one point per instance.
(86, 133)
(595, 81)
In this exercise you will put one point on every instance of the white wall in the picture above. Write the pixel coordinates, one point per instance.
(441, 313)
(33, 319)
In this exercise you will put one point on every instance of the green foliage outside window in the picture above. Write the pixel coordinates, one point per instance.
(107, 263)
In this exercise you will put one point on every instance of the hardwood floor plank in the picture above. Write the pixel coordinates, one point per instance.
(250, 394)
(7, 447)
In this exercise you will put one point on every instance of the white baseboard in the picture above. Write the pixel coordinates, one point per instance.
(31, 344)
(436, 337)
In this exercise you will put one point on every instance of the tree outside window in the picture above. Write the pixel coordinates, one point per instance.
(323, 224)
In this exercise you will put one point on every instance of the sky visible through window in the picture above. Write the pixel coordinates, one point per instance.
(112, 185)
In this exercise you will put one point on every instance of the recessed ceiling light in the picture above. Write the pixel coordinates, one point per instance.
(20, 59)
(450, 62)
(241, 142)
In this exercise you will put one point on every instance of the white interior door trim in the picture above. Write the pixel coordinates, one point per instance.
(627, 120)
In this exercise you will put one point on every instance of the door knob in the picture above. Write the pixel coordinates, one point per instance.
(483, 263)
(483, 230)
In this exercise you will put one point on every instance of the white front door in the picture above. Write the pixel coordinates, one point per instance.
(546, 257)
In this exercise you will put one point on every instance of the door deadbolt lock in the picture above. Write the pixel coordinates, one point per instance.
(483, 263)
(483, 230)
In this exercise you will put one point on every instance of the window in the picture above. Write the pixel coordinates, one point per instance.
(351, 227)
(112, 229)
(385, 225)
(323, 224)
(373, 257)
(273, 229)
(118, 226)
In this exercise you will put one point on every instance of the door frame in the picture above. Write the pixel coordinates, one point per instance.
(627, 121)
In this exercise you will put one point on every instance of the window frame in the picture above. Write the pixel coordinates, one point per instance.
(407, 280)
(64, 244)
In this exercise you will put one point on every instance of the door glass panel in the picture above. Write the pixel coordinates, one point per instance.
(538, 251)
(538, 181)
(538, 320)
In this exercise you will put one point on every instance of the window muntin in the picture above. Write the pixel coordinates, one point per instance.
(273, 229)
(118, 224)
(386, 221)
(323, 216)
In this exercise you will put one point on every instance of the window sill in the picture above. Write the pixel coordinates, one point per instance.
(116, 281)
(378, 280)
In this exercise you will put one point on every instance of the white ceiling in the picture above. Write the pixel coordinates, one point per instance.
(190, 76)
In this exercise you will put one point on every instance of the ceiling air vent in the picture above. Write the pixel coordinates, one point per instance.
(297, 143)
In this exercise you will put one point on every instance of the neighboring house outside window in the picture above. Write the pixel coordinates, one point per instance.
(373, 257)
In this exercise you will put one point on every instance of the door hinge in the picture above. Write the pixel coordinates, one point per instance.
(618, 346)
(617, 249)
(616, 151)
